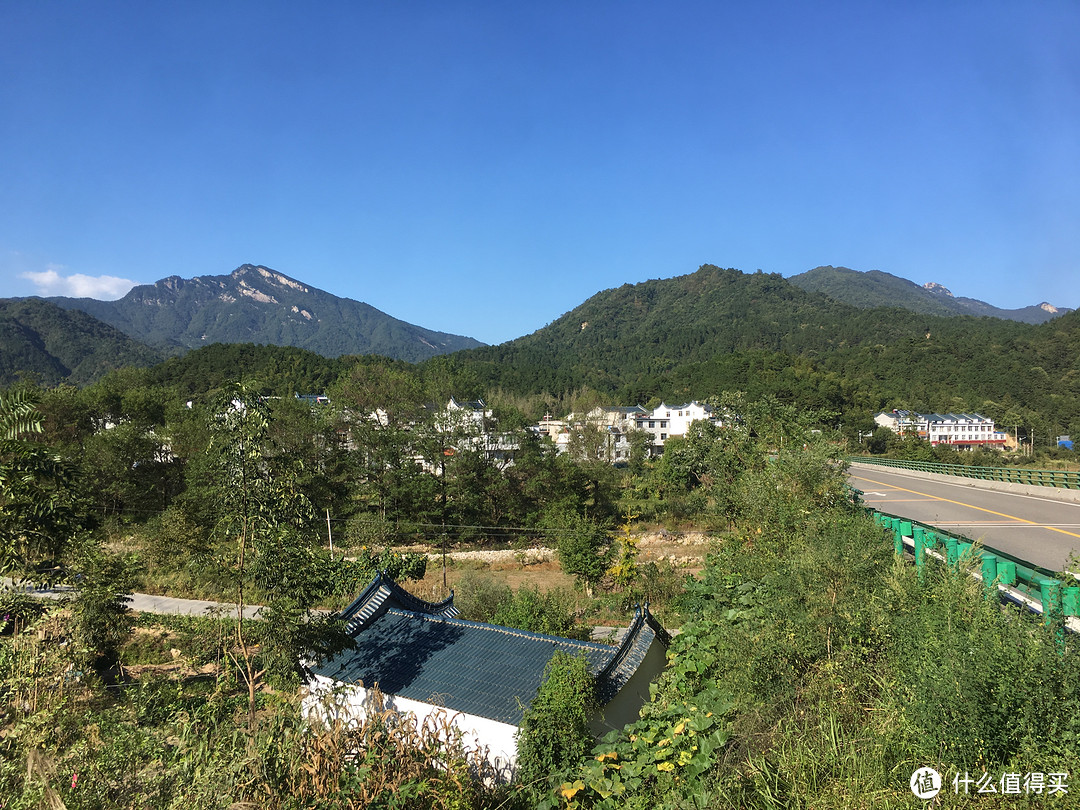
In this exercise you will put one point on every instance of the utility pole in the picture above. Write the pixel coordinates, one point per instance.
(329, 534)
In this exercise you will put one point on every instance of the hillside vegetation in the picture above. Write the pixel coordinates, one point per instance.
(717, 330)
(43, 343)
(813, 670)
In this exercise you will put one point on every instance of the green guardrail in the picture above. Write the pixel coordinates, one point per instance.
(1058, 595)
(1009, 475)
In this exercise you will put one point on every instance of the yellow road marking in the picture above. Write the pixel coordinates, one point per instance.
(969, 506)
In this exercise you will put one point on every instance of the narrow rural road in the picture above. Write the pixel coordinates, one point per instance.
(151, 603)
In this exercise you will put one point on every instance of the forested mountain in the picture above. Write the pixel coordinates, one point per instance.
(278, 370)
(43, 342)
(258, 305)
(637, 335)
(719, 330)
(877, 289)
(689, 337)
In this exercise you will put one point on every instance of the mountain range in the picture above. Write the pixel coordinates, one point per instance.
(877, 289)
(636, 338)
(255, 304)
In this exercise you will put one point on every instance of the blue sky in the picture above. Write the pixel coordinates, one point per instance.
(483, 167)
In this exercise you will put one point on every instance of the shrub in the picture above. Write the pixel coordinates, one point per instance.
(554, 732)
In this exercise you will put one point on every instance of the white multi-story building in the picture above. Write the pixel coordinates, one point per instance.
(666, 420)
(962, 430)
(900, 421)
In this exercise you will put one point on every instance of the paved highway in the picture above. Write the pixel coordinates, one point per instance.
(1035, 528)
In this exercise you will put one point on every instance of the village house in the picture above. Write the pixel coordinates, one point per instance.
(425, 661)
(666, 420)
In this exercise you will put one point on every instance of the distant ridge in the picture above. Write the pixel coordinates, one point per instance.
(43, 343)
(874, 288)
(255, 304)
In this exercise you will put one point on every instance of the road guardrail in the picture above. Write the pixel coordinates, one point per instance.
(1009, 475)
(1053, 594)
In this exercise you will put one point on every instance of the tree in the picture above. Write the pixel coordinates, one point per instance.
(265, 537)
(382, 407)
(583, 546)
(102, 618)
(38, 520)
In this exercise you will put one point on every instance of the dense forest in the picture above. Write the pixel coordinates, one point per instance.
(41, 342)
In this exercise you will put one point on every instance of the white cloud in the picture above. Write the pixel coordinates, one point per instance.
(78, 285)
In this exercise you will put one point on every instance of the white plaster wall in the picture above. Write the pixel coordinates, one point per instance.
(329, 700)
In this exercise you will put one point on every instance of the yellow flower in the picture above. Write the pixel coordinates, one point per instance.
(665, 766)
(679, 728)
(663, 742)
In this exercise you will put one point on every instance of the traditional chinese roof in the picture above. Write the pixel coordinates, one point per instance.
(420, 651)
(382, 595)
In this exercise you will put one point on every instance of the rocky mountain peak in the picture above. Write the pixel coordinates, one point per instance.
(939, 289)
(251, 274)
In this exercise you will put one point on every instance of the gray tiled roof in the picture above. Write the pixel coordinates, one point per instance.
(420, 651)
(384, 593)
(470, 667)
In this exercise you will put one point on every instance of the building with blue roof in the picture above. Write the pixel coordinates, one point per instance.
(425, 660)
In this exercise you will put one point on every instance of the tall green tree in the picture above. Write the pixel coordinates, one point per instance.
(381, 408)
(38, 518)
(265, 539)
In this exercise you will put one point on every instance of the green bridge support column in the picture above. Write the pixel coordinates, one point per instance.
(1006, 570)
(989, 572)
(1050, 591)
(952, 551)
(1070, 600)
(919, 534)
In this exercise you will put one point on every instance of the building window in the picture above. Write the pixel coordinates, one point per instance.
(663, 423)
(663, 437)
(652, 424)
